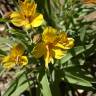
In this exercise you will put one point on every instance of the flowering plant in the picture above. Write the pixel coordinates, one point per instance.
(46, 46)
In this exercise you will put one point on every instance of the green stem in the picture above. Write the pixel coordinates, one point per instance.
(29, 36)
(28, 83)
(16, 4)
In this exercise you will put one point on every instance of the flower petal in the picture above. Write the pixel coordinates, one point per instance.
(23, 60)
(59, 53)
(15, 15)
(37, 21)
(17, 50)
(47, 57)
(7, 62)
(27, 25)
(28, 8)
(70, 43)
(49, 35)
(39, 50)
(18, 22)
(62, 37)
(9, 65)
(6, 59)
(58, 45)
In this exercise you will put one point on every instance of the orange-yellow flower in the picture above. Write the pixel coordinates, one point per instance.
(54, 45)
(90, 1)
(15, 57)
(26, 16)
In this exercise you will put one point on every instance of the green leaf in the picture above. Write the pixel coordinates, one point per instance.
(5, 43)
(74, 52)
(16, 4)
(5, 40)
(3, 20)
(77, 79)
(45, 88)
(1, 70)
(82, 34)
(18, 86)
(20, 89)
(20, 36)
(2, 52)
(77, 70)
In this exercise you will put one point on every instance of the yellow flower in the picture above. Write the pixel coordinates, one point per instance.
(54, 45)
(27, 16)
(15, 57)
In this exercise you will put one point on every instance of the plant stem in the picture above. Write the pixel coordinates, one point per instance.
(28, 83)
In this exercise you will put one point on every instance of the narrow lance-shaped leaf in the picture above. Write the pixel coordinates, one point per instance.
(18, 86)
(45, 86)
(74, 52)
(2, 52)
(77, 79)
(4, 20)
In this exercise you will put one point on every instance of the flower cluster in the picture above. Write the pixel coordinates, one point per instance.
(15, 57)
(27, 16)
(54, 44)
